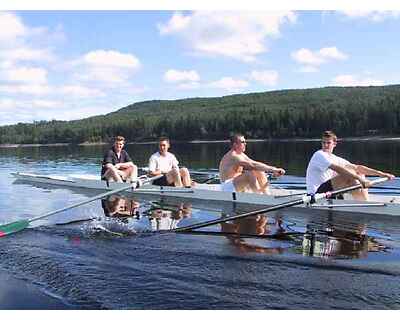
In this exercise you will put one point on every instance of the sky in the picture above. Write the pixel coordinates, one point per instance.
(71, 64)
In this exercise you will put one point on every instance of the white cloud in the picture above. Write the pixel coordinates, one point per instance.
(372, 15)
(178, 22)
(43, 103)
(80, 91)
(24, 74)
(189, 86)
(11, 27)
(106, 76)
(308, 69)
(27, 94)
(29, 110)
(347, 80)
(311, 60)
(112, 59)
(266, 77)
(174, 76)
(108, 67)
(228, 83)
(306, 56)
(332, 53)
(238, 35)
(26, 54)
(7, 104)
(29, 89)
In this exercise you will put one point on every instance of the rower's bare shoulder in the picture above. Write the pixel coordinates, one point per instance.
(235, 158)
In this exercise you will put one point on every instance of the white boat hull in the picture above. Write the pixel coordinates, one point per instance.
(380, 204)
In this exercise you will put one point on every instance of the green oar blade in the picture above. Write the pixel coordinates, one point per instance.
(13, 227)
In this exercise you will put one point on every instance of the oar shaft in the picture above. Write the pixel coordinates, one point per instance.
(100, 196)
(103, 195)
(240, 216)
(355, 187)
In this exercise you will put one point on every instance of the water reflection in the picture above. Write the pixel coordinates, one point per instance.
(323, 236)
(331, 240)
(257, 233)
(149, 215)
(168, 218)
(118, 207)
(257, 225)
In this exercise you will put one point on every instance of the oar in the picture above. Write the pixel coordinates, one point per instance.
(20, 225)
(304, 200)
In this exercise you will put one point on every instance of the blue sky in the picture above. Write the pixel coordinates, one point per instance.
(73, 64)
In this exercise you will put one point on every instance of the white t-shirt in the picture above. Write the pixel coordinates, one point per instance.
(157, 162)
(318, 171)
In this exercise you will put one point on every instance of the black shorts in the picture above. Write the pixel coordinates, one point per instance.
(163, 182)
(327, 187)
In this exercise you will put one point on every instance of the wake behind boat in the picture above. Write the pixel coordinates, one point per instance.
(379, 204)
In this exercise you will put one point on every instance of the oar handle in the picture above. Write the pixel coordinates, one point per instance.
(331, 194)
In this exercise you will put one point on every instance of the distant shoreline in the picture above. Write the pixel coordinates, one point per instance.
(361, 139)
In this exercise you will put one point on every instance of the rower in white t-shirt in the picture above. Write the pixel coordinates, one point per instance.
(165, 163)
(328, 172)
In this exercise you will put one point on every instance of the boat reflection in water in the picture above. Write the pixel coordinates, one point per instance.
(145, 216)
(340, 241)
(168, 218)
(323, 237)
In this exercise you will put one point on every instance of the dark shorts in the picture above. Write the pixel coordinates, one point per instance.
(327, 187)
(163, 182)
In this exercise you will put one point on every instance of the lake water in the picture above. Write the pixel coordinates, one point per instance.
(93, 257)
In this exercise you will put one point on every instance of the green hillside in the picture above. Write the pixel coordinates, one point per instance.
(351, 111)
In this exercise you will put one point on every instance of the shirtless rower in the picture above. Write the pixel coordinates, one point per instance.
(239, 173)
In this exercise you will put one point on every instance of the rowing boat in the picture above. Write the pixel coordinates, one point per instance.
(379, 203)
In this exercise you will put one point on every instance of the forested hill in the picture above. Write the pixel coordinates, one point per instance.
(351, 111)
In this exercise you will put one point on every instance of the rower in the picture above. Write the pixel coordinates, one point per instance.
(165, 163)
(238, 172)
(117, 164)
(327, 172)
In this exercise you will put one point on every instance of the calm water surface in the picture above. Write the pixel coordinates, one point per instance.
(103, 255)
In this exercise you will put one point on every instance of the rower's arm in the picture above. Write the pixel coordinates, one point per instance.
(350, 174)
(372, 172)
(124, 165)
(260, 166)
(155, 173)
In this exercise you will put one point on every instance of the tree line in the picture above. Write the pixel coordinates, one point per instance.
(305, 113)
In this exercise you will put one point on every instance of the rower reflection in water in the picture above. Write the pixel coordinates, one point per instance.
(254, 225)
(168, 219)
(338, 241)
(119, 207)
(250, 234)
